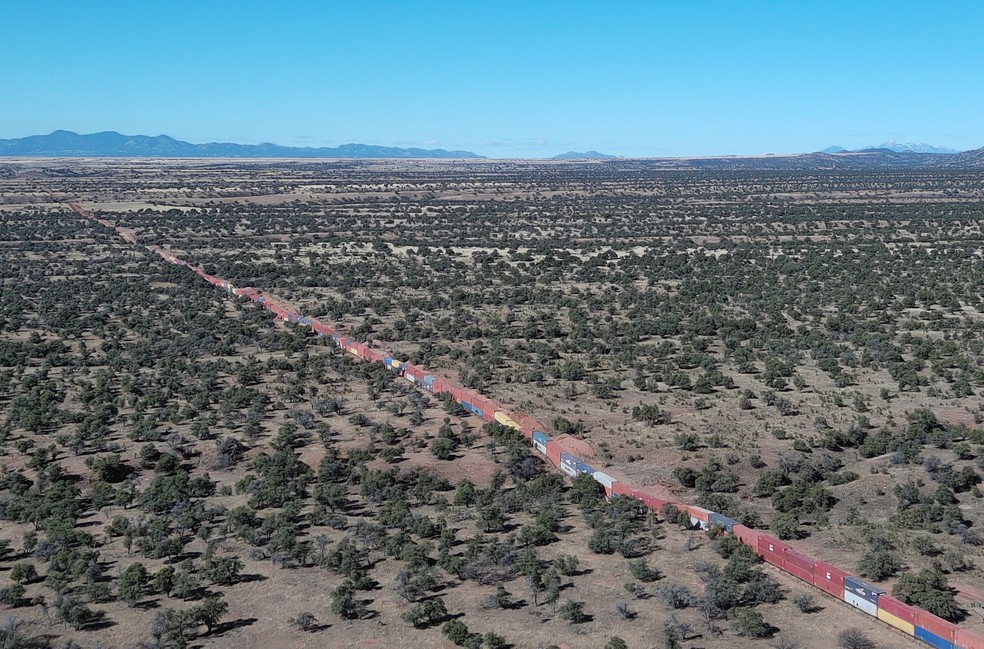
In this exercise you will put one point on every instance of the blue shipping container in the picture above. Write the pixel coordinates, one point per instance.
(428, 380)
(863, 589)
(567, 458)
(933, 639)
(581, 467)
(722, 521)
(539, 436)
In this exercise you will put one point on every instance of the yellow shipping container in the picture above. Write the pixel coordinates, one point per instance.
(395, 363)
(897, 622)
(506, 420)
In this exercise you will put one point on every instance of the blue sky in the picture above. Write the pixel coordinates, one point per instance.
(506, 79)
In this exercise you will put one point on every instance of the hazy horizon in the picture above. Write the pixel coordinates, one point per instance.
(505, 80)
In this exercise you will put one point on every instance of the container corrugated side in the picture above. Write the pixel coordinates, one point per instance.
(967, 640)
(799, 565)
(897, 622)
(935, 625)
(900, 610)
(932, 639)
(722, 521)
(829, 578)
(862, 588)
(861, 603)
(605, 479)
(746, 535)
(553, 453)
(540, 436)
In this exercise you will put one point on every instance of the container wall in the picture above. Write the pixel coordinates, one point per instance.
(701, 514)
(967, 640)
(898, 623)
(861, 603)
(935, 625)
(553, 453)
(585, 469)
(932, 639)
(621, 489)
(898, 609)
(829, 578)
(605, 479)
(747, 535)
(722, 521)
(799, 565)
(539, 436)
(540, 446)
(862, 588)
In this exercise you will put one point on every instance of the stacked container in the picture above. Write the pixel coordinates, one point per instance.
(862, 595)
(829, 578)
(935, 631)
(799, 565)
(893, 612)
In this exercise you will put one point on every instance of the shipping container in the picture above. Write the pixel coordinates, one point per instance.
(932, 639)
(769, 544)
(429, 380)
(861, 603)
(621, 489)
(540, 440)
(897, 622)
(861, 588)
(584, 469)
(772, 550)
(829, 578)
(649, 500)
(553, 452)
(902, 611)
(799, 565)
(722, 521)
(935, 625)
(749, 537)
(567, 463)
(701, 514)
(967, 640)
(605, 481)
(505, 420)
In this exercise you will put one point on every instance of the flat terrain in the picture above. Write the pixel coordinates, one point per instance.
(799, 350)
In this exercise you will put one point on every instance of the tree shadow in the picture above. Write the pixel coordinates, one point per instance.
(231, 625)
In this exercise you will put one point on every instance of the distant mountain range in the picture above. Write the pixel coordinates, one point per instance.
(587, 155)
(891, 155)
(111, 144)
(894, 147)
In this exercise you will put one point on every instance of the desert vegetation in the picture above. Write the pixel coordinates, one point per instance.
(798, 350)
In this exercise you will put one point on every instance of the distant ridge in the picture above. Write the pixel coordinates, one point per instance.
(895, 147)
(586, 155)
(111, 144)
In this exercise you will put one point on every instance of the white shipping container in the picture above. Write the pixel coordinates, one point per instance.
(703, 524)
(540, 447)
(605, 479)
(859, 602)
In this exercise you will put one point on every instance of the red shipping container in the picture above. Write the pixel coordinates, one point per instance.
(772, 550)
(699, 513)
(553, 453)
(799, 565)
(439, 386)
(936, 625)
(829, 578)
(967, 640)
(746, 535)
(897, 608)
(619, 488)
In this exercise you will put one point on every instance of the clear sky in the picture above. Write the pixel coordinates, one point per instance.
(506, 78)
